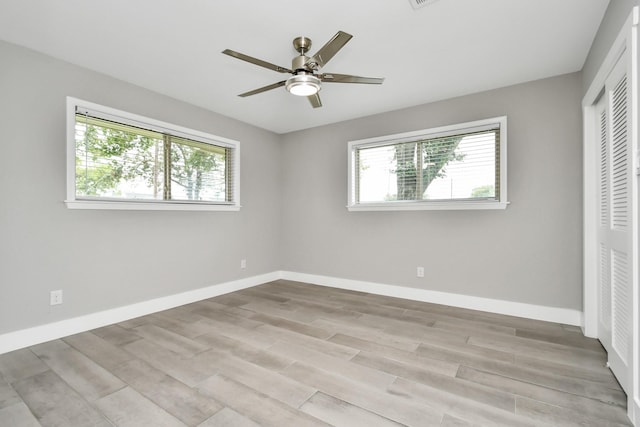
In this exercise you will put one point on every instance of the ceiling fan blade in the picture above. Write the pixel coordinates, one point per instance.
(315, 100)
(346, 78)
(327, 51)
(256, 61)
(263, 89)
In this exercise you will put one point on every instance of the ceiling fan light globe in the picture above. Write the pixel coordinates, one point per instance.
(303, 85)
(303, 89)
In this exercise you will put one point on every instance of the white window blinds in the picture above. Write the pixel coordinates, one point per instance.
(462, 163)
(120, 157)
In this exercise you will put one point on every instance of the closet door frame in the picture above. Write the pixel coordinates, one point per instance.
(625, 44)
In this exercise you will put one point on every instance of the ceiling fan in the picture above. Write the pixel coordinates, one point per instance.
(306, 80)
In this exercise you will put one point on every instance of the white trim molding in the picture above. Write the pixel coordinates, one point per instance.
(43, 333)
(434, 206)
(38, 334)
(538, 312)
(148, 206)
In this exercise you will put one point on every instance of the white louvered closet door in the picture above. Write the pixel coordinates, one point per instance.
(615, 222)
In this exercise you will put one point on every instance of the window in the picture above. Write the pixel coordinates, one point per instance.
(454, 167)
(117, 160)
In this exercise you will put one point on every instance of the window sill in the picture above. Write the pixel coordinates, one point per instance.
(147, 206)
(428, 206)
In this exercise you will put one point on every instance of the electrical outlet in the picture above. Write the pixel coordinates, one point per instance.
(55, 297)
(420, 272)
(243, 263)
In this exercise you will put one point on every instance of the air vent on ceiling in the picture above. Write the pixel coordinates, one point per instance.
(417, 4)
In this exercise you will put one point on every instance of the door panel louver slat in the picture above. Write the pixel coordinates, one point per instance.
(619, 157)
(604, 280)
(604, 178)
(620, 296)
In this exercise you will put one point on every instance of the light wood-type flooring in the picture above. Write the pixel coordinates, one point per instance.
(292, 354)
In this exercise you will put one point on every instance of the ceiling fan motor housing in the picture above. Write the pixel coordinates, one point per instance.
(298, 64)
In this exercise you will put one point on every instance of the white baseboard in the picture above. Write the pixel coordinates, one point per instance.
(39, 334)
(530, 311)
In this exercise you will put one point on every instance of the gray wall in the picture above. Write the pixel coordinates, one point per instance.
(530, 252)
(105, 259)
(293, 196)
(617, 13)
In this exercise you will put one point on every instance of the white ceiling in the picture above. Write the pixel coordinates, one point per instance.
(447, 49)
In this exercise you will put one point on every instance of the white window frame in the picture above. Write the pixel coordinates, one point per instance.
(72, 202)
(502, 203)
